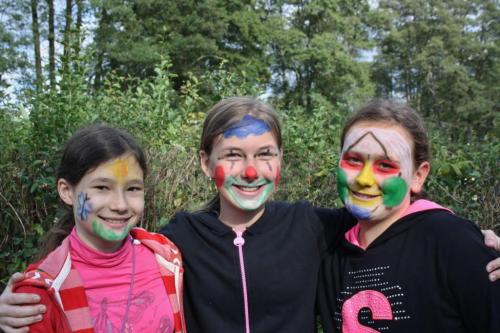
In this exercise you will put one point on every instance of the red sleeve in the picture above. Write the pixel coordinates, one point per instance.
(54, 319)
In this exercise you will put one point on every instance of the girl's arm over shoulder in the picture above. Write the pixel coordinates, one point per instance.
(19, 310)
(477, 298)
(54, 319)
(493, 241)
(334, 223)
(169, 229)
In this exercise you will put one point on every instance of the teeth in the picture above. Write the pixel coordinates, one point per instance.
(248, 189)
(115, 221)
(364, 196)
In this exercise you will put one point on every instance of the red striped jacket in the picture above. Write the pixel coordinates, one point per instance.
(54, 278)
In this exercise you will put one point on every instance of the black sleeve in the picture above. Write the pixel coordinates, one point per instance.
(334, 223)
(169, 230)
(477, 299)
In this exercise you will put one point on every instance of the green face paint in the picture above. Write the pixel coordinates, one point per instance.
(109, 235)
(395, 190)
(342, 185)
(248, 203)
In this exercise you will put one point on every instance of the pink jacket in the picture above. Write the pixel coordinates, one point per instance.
(61, 289)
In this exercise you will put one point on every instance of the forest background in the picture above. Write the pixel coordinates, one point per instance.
(153, 67)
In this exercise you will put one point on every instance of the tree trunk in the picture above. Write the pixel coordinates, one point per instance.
(78, 28)
(52, 52)
(100, 41)
(36, 44)
(67, 35)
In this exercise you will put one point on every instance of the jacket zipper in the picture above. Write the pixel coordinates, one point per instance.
(238, 242)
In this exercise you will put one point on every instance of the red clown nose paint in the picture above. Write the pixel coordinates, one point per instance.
(251, 173)
(220, 176)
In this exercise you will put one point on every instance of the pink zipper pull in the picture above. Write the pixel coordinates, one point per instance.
(239, 241)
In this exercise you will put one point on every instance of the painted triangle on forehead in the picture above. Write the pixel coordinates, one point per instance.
(246, 126)
(369, 133)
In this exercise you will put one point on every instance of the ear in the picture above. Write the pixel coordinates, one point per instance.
(205, 163)
(65, 191)
(419, 177)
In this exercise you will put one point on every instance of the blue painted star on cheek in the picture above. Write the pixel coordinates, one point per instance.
(84, 207)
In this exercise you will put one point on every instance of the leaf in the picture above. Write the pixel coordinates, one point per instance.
(456, 169)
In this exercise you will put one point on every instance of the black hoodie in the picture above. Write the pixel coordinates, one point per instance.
(425, 273)
(281, 256)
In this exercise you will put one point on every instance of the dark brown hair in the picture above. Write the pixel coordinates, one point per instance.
(86, 150)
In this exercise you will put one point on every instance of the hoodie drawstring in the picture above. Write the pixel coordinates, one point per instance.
(238, 242)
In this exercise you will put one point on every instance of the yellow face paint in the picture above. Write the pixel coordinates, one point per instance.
(366, 184)
(366, 177)
(120, 168)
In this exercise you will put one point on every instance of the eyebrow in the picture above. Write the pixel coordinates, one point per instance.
(268, 147)
(372, 156)
(111, 180)
(101, 180)
(135, 181)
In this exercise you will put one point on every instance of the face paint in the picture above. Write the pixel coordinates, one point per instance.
(375, 169)
(220, 176)
(395, 190)
(117, 191)
(108, 234)
(278, 176)
(251, 173)
(248, 125)
(84, 207)
(245, 165)
(342, 185)
(248, 196)
(120, 168)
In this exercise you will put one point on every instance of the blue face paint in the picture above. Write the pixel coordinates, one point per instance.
(247, 126)
(359, 213)
(84, 207)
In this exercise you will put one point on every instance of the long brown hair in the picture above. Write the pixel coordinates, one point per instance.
(86, 150)
(224, 115)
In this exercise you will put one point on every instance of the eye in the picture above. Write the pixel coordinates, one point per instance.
(386, 166)
(266, 155)
(101, 187)
(353, 160)
(135, 189)
(232, 156)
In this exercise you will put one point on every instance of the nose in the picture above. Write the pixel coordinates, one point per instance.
(250, 174)
(119, 202)
(366, 177)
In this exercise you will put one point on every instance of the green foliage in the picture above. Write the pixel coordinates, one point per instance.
(311, 148)
(442, 58)
(463, 175)
(317, 48)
